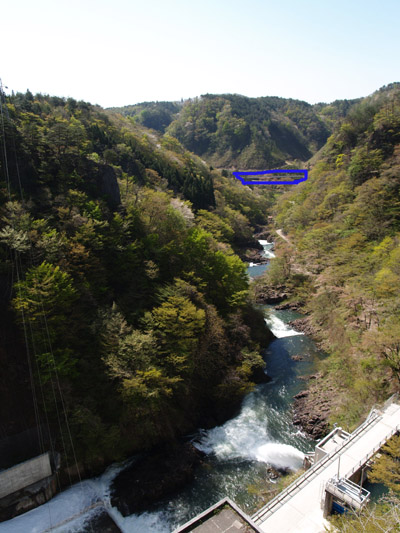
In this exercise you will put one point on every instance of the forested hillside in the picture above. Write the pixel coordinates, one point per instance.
(233, 131)
(343, 265)
(118, 274)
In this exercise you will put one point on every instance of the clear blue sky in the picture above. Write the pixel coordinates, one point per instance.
(119, 52)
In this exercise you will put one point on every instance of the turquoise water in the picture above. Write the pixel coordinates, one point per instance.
(256, 270)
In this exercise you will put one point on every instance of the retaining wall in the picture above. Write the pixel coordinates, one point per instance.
(24, 474)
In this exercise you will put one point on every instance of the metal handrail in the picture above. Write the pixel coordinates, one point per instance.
(372, 452)
(390, 400)
(267, 509)
(346, 495)
(335, 480)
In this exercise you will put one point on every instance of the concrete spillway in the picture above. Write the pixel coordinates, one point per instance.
(304, 505)
(300, 508)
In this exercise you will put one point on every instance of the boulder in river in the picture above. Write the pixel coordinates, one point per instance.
(258, 375)
(153, 477)
(273, 474)
(298, 357)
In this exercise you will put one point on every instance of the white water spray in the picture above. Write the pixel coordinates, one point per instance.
(69, 511)
(268, 253)
(247, 437)
(279, 328)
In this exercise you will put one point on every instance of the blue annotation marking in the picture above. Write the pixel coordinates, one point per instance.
(241, 176)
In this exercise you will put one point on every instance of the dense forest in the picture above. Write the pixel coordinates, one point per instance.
(119, 270)
(247, 133)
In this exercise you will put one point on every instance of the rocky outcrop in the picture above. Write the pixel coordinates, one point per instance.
(312, 408)
(106, 181)
(154, 477)
(292, 306)
(262, 233)
(270, 295)
(251, 255)
(303, 325)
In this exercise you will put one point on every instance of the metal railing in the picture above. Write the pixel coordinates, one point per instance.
(393, 398)
(208, 513)
(307, 477)
(355, 495)
(373, 451)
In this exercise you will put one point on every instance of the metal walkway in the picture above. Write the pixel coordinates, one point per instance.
(298, 508)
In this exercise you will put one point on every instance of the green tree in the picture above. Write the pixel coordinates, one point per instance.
(177, 324)
(44, 300)
(381, 518)
(215, 225)
(386, 468)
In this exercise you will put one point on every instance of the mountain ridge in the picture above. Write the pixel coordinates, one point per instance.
(232, 131)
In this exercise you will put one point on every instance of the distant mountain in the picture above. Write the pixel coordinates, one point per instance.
(155, 115)
(233, 131)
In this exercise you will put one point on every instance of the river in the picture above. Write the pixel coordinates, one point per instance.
(239, 453)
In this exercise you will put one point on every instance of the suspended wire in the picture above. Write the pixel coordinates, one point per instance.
(47, 338)
(16, 264)
(18, 269)
(46, 414)
(32, 336)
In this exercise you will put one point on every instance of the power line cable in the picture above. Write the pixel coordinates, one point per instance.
(46, 329)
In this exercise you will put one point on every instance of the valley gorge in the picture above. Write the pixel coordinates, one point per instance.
(123, 252)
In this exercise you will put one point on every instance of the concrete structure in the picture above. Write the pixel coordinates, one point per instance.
(24, 474)
(20, 447)
(334, 478)
(305, 504)
(344, 492)
(224, 517)
(334, 439)
(27, 485)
